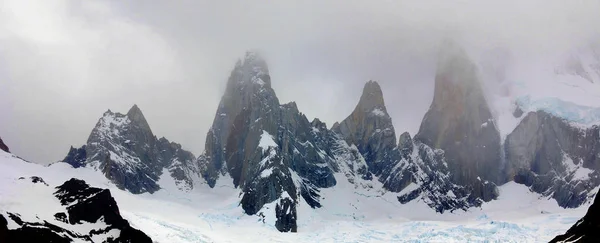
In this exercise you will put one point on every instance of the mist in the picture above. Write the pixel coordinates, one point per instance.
(63, 63)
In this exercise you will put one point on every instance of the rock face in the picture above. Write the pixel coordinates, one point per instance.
(124, 148)
(370, 128)
(586, 229)
(83, 205)
(270, 151)
(554, 158)
(3, 146)
(459, 122)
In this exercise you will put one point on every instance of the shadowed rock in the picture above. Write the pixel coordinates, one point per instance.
(83, 204)
(459, 122)
(3, 146)
(587, 229)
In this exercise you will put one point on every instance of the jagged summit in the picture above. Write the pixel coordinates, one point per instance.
(136, 116)
(370, 128)
(124, 148)
(371, 98)
(252, 70)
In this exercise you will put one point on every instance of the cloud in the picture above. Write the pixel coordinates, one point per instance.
(64, 62)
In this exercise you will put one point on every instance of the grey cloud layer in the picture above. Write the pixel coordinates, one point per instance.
(63, 63)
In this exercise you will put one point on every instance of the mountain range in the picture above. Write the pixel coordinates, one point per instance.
(279, 159)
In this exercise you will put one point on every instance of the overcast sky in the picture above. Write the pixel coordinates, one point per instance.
(63, 63)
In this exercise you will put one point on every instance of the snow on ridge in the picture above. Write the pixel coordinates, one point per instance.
(110, 122)
(266, 173)
(378, 112)
(266, 141)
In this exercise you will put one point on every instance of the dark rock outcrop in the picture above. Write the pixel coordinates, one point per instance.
(587, 229)
(83, 204)
(124, 148)
(459, 122)
(3, 146)
(76, 157)
(554, 158)
(35, 179)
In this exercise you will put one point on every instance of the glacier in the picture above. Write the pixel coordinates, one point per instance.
(351, 214)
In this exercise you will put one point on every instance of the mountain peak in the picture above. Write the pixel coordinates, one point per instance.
(136, 116)
(372, 99)
(252, 71)
(370, 128)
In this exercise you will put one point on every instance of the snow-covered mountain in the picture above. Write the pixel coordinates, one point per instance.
(279, 167)
(280, 161)
(124, 149)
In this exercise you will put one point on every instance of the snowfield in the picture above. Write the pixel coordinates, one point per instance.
(348, 214)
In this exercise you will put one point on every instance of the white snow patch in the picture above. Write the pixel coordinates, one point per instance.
(577, 170)
(266, 141)
(266, 173)
(378, 112)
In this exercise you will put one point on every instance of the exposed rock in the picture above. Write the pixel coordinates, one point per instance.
(262, 145)
(3, 146)
(35, 179)
(83, 204)
(424, 174)
(586, 229)
(459, 122)
(554, 158)
(124, 148)
(518, 112)
(285, 211)
(76, 157)
(370, 128)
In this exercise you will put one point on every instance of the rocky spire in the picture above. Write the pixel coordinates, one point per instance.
(371, 98)
(248, 97)
(370, 128)
(137, 117)
(3, 146)
(459, 120)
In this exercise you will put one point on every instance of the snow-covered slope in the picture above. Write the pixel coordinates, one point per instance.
(347, 213)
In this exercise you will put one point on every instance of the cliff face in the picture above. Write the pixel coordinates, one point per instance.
(460, 123)
(554, 158)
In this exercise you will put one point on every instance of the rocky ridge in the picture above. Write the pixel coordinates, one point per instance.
(124, 149)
